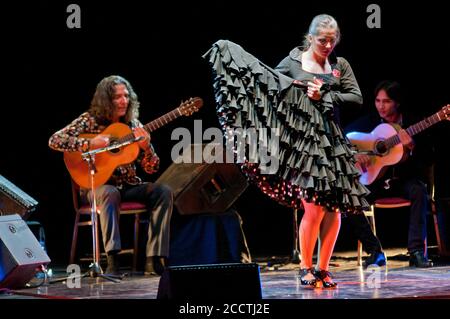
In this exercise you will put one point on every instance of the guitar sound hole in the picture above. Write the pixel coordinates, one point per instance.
(116, 150)
(380, 147)
(112, 142)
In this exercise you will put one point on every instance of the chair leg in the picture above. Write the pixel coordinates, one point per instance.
(136, 241)
(359, 259)
(97, 247)
(73, 247)
(372, 224)
(95, 236)
(441, 246)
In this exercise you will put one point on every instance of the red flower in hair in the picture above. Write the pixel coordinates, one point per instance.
(336, 73)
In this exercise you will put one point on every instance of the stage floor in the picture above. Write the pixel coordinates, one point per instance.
(279, 281)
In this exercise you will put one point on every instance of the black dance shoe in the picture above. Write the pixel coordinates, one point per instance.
(307, 282)
(326, 278)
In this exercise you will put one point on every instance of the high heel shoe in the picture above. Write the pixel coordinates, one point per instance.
(307, 282)
(322, 275)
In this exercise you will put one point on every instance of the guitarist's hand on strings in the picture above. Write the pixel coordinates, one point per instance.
(145, 143)
(100, 141)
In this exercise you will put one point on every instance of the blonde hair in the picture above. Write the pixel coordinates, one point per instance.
(321, 21)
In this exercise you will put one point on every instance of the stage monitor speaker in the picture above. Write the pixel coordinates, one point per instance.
(233, 281)
(205, 187)
(20, 252)
(13, 200)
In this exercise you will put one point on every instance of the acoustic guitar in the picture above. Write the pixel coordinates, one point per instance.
(383, 143)
(107, 162)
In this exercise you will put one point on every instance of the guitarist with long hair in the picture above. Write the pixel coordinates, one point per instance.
(404, 179)
(115, 102)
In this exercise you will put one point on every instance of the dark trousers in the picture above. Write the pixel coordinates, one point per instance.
(159, 201)
(361, 228)
(414, 190)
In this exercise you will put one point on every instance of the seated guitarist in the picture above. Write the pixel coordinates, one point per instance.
(115, 101)
(405, 179)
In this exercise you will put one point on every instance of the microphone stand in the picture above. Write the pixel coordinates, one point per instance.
(94, 269)
(295, 257)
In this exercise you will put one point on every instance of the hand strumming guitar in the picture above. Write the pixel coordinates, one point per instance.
(100, 141)
(364, 161)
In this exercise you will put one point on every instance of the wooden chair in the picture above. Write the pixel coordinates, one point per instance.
(83, 218)
(396, 202)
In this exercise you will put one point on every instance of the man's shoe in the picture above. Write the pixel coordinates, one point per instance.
(418, 259)
(113, 265)
(375, 258)
(155, 265)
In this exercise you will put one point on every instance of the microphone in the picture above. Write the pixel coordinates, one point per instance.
(113, 146)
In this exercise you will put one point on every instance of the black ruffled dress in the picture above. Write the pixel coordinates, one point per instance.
(315, 159)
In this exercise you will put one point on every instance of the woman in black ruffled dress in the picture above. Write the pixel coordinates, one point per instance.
(301, 99)
(329, 83)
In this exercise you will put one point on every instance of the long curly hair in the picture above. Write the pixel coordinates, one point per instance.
(102, 107)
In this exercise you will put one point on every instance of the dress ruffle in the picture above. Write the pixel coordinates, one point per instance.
(315, 158)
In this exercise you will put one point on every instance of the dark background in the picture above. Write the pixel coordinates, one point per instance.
(50, 72)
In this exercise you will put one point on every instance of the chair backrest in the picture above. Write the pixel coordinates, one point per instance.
(392, 202)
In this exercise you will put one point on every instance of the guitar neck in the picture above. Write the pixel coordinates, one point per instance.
(162, 120)
(414, 129)
(155, 124)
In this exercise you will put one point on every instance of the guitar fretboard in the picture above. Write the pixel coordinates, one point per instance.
(414, 129)
(153, 125)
